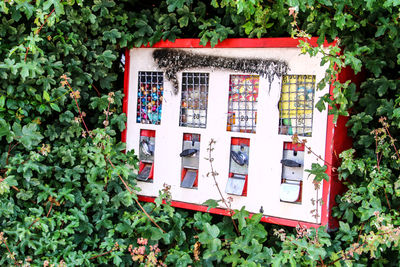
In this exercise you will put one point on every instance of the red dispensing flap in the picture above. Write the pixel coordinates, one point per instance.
(291, 146)
(240, 141)
(189, 137)
(148, 133)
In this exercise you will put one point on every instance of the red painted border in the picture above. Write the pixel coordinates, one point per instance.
(224, 212)
(329, 191)
(126, 93)
(240, 43)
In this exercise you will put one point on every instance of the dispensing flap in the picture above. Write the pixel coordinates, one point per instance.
(145, 173)
(189, 179)
(235, 185)
(289, 191)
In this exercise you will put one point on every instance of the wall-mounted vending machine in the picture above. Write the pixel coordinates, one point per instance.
(250, 96)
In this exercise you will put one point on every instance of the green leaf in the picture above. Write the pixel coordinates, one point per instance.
(28, 135)
(117, 260)
(241, 216)
(119, 120)
(212, 230)
(112, 35)
(175, 4)
(26, 7)
(107, 57)
(46, 96)
(211, 204)
(248, 27)
(58, 6)
(4, 128)
(396, 113)
(55, 107)
(319, 172)
(156, 233)
(2, 101)
(183, 21)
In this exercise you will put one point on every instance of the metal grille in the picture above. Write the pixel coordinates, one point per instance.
(150, 96)
(194, 100)
(242, 104)
(296, 105)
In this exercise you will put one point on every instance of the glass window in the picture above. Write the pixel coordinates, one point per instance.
(296, 105)
(194, 100)
(150, 96)
(242, 104)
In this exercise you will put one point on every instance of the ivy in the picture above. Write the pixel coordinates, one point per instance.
(68, 192)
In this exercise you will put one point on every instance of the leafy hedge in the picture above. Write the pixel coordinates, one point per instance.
(66, 191)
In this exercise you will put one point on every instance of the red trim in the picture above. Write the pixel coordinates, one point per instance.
(246, 180)
(126, 93)
(239, 43)
(219, 211)
(240, 141)
(291, 146)
(337, 141)
(148, 133)
(189, 136)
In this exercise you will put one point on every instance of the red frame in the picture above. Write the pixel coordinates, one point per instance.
(336, 135)
(295, 147)
(147, 133)
(236, 141)
(188, 137)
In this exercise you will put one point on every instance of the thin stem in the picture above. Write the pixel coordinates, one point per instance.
(319, 157)
(392, 142)
(51, 206)
(137, 202)
(37, 32)
(13, 187)
(102, 254)
(79, 110)
(376, 151)
(322, 261)
(213, 174)
(108, 109)
(9, 151)
(26, 53)
(45, 21)
(11, 255)
(5, 170)
(387, 200)
(98, 93)
(35, 221)
(316, 206)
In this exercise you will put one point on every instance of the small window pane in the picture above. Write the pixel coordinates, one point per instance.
(296, 105)
(242, 104)
(150, 95)
(194, 100)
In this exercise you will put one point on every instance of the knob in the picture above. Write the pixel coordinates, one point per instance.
(147, 148)
(188, 152)
(290, 163)
(239, 157)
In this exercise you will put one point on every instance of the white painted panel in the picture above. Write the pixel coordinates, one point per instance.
(266, 145)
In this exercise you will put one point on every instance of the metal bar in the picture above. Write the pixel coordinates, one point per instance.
(195, 100)
(242, 102)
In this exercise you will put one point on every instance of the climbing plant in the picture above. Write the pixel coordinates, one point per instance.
(67, 189)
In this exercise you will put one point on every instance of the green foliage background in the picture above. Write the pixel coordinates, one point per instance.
(61, 200)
